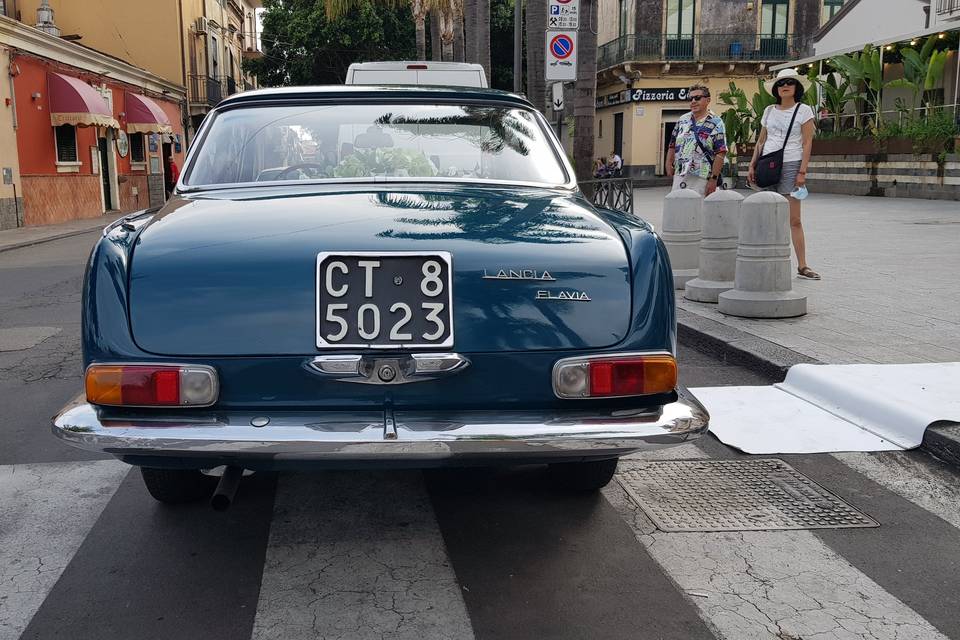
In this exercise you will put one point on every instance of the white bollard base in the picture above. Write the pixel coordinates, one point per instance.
(706, 290)
(762, 304)
(682, 276)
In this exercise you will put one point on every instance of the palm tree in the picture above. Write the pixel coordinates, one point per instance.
(585, 91)
(470, 34)
(458, 31)
(419, 11)
(536, 25)
(483, 35)
(435, 52)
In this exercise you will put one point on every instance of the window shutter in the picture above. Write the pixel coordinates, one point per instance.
(66, 135)
(136, 147)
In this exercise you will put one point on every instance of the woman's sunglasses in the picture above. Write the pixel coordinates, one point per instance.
(786, 83)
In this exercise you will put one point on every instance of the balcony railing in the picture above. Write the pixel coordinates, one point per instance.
(703, 47)
(946, 7)
(210, 90)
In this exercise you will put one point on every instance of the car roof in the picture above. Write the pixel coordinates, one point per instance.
(366, 92)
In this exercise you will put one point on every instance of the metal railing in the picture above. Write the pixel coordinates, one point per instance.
(703, 47)
(947, 6)
(210, 90)
(610, 193)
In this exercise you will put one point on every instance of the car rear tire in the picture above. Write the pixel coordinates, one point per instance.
(592, 475)
(178, 486)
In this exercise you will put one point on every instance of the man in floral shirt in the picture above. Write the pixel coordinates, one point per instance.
(697, 146)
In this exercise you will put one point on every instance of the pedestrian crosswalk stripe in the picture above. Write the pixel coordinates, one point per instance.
(927, 486)
(46, 510)
(780, 584)
(357, 555)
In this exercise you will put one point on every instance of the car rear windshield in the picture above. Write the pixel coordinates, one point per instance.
(356, 141)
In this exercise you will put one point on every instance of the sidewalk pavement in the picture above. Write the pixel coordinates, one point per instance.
(26, 236)
(890, 293)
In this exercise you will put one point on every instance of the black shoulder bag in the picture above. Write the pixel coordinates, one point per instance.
(770, 166)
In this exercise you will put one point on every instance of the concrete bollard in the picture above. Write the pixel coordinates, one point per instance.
(763, 286)
(718, 247)
(681, 233)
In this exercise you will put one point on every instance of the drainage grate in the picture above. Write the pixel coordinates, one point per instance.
(735, 495)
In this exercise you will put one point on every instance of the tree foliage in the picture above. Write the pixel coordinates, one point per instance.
(301, 46)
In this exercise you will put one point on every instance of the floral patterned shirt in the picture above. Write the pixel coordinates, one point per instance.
(685, 146)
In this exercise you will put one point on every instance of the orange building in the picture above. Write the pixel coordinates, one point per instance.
(92, 132)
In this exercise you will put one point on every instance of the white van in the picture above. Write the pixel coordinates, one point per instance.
(450, 74)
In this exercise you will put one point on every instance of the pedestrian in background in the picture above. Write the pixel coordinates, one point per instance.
(788, 89)
(697, 146)
(615, 164)
(600, 169)
(172, 174)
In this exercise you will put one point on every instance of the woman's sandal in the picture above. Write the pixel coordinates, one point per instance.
(808, 273)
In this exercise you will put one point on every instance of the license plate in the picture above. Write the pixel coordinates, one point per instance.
(384, 300)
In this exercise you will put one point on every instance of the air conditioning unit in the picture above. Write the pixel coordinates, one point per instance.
(201, 25)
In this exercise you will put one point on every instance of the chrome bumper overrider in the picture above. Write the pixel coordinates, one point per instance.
(374, 435)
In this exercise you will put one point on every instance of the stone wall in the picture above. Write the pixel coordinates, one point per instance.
(11, 213)
(726, 17)
(888, 175)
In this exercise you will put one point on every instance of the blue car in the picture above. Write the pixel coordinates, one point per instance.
(360, 276)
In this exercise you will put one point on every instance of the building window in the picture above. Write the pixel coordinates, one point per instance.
(137, 154)
(773, 18)
(66, 140)
(600, 124)
(624, 16)
(680, 19)
(830, 8)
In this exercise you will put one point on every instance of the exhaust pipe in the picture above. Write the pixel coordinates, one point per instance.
(226, 489)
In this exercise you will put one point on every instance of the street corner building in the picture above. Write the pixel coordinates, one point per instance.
(83, 133)
(651, 51)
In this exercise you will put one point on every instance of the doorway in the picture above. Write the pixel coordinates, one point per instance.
(105, 174)
(618, 134)
(168, 182)
(668, 120)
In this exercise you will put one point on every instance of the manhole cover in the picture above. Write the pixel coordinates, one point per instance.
(735, 495)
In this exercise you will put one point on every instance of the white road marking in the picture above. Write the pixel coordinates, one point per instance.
(934, 489)
(357, 555)
(777, 584)
(46, 510)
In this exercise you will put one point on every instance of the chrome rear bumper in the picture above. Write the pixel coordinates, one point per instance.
(373, 436)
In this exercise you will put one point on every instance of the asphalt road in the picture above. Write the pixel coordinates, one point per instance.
(85, 552)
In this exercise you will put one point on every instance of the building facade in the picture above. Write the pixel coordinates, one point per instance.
(654, 49)
(218, 35)
(141, 74)
(84, 133)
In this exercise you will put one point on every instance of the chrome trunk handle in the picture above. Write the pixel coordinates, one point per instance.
(376, 369)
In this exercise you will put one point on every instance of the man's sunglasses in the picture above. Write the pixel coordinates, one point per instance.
(697, 98)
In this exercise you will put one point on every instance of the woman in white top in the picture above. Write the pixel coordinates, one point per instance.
(788, 88)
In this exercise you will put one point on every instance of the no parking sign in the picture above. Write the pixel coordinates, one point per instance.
(561, 55)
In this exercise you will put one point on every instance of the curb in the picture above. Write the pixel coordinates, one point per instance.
(59, 236)
(738, 347)
(941, 439)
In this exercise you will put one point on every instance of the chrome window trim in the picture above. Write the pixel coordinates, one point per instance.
(601, 356)
(181, 365)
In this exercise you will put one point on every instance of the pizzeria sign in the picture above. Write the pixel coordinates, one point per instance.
(665, 94)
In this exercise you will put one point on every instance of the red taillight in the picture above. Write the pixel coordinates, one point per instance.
(419, 67)
(151, 385)
(616, 376)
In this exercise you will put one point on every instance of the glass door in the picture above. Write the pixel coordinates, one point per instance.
(679, 36)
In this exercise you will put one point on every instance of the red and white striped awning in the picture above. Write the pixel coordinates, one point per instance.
(73, 101)
(145, 116)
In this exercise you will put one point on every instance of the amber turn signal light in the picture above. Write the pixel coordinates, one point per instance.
(614, 376)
